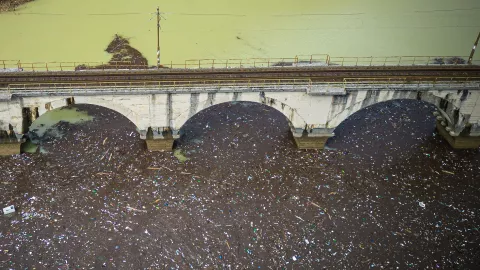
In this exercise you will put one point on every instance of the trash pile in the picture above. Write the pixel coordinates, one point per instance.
(246, 197)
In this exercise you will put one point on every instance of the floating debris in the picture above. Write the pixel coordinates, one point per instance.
(8, 210)
(87, 204)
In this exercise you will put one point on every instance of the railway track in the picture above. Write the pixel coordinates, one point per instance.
(316, 74)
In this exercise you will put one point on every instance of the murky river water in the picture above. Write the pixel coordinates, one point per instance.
(69, 30)
(390, 194)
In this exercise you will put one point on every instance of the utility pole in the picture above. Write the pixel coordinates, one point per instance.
(473, 50)
(158, 37)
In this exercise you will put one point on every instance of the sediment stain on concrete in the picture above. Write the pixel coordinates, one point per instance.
(194, 97)
(236, 96)
(210, 99)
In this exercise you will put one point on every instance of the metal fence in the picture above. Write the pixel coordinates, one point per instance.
(317, 59)
(12, 65)
(159, 84)
(404, 82)
(347, 83)
(297, 61)
(400, 61)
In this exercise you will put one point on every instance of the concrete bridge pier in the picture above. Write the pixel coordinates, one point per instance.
(311, 139)
(9, 148)
(159, 139)
(9, 143)
(457, 141)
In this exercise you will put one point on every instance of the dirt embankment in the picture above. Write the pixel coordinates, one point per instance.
(9, 5)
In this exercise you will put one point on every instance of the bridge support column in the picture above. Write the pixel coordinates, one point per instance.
(311, 139)
(159, 139)
(458, 142)
(9, 148)
(9, 143)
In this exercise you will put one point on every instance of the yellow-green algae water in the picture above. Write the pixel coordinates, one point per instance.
(180, 155)
(47, 123)
(71, 30)
(67, 114)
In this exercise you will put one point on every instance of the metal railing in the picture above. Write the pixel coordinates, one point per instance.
(234, 63)
(297, 61)
(314, 59)
(67, 66)
(159, 84)
(16, 65)
(9, 65)
(251, 83)
(400, 61)
(404, 81)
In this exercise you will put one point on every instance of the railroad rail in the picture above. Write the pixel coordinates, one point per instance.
(251, 83)
(318, 68)
(320, 74)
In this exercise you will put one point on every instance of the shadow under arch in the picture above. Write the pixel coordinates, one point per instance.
(55, 123)
(452, 115)
(387, 130)
(111, 105)
(229, 124)
(177, 121)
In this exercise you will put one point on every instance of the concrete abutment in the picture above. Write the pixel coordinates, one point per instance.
(314, 138)
(9, 148)
(458, 142)
(159, 139)
(160, 144)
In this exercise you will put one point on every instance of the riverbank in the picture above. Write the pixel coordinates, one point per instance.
(9, 5)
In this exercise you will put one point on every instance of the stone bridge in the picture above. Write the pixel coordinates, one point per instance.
(314, 110)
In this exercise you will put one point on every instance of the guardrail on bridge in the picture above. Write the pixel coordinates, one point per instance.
(297, 61)
(435, 83)
(347, 83)
(159, 84)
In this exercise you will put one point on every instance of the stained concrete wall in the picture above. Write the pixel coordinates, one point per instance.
(316, 111)
(184, 106)
(467, 103)
(11, 114)
(159, 111)
(133, 107)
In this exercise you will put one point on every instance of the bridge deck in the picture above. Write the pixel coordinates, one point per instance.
(316, 74)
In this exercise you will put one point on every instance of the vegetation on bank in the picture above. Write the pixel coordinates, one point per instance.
(9, 5)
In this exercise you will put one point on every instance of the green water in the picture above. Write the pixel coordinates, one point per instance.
(69, 30)
(29, 147)
(177, 153)
(49, 119)
(47, 124)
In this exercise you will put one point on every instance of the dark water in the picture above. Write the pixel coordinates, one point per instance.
(391, 195)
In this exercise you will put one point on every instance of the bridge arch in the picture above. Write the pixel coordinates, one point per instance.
(110, 103)
(200, 102)
(49, 124)
(445, 101)
(44, 105)
(238, 125)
